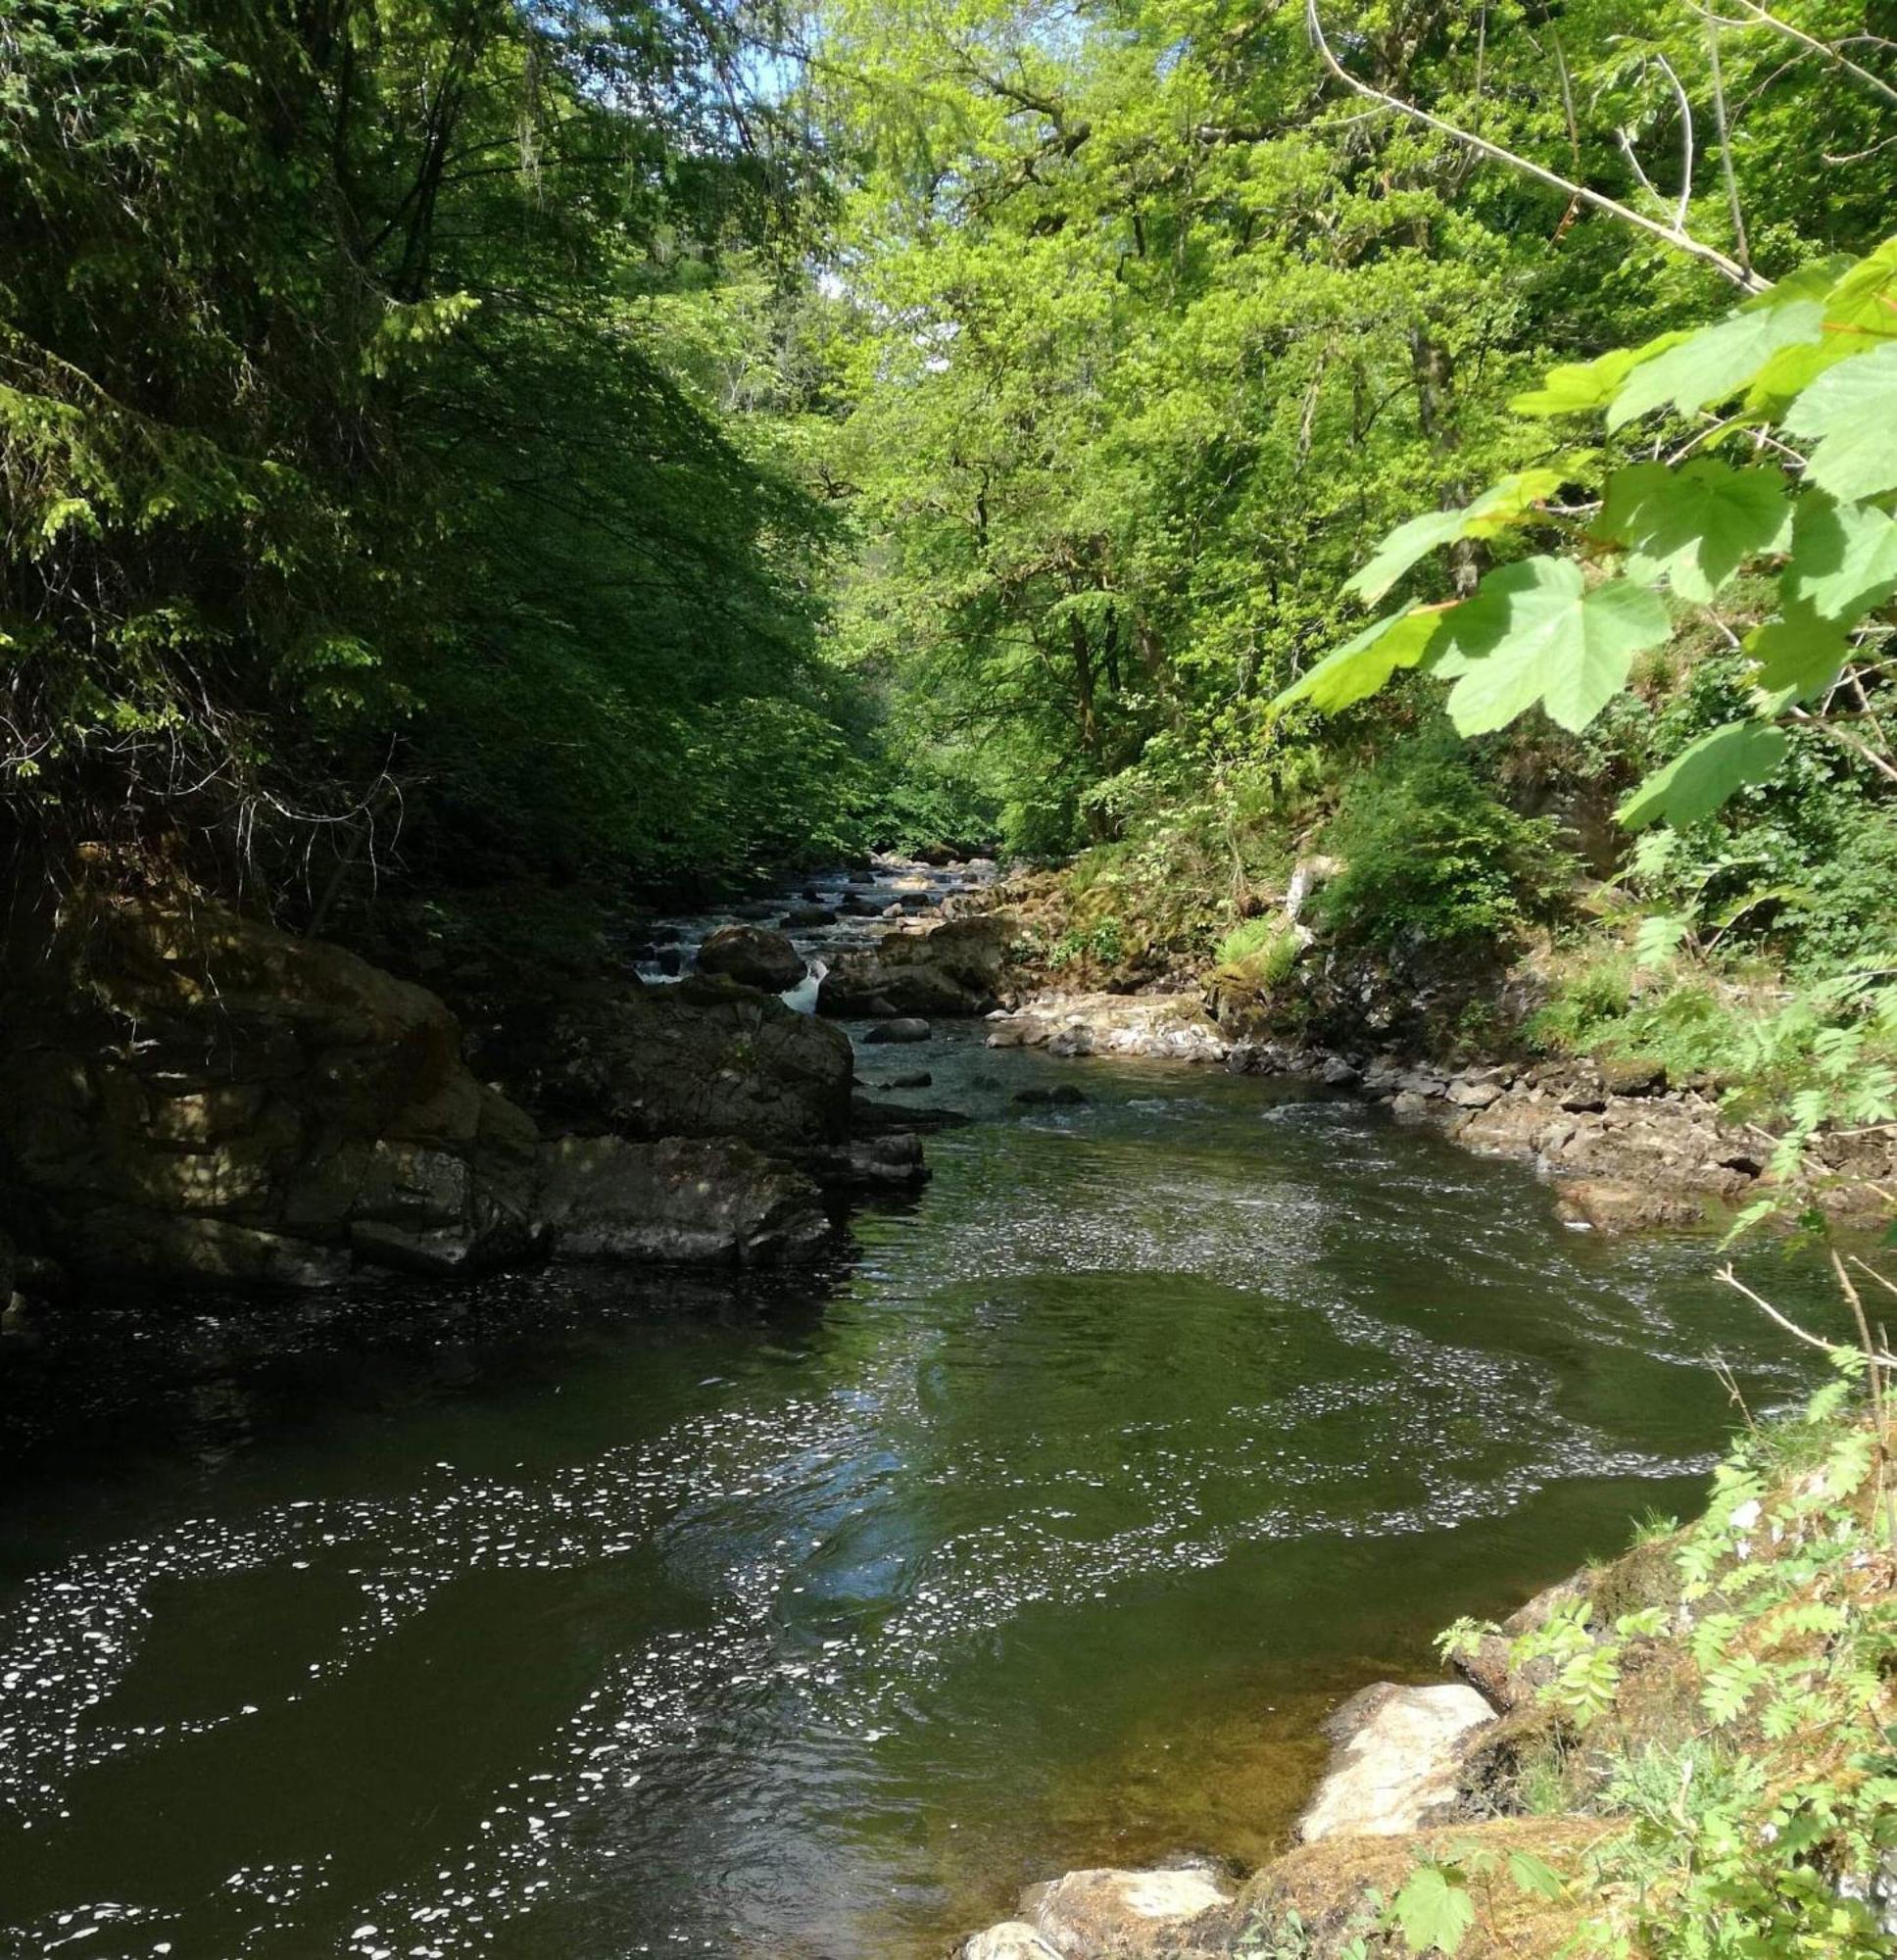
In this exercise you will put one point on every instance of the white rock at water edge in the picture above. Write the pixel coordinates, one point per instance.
(1397, 1755)
(1013, 1940)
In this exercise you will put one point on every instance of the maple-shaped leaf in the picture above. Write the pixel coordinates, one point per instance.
(1537, 632)
(1693, 526)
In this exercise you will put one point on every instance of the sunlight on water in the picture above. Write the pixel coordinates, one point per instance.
(820, 1647)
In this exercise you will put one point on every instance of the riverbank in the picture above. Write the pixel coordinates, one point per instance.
(1680, 1751)
(1628, 1140)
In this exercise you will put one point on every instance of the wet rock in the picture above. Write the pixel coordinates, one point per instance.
(906, 1028)
(753, 956)
(882, 1119)
(1395, 1756)
(804, 918)
(1156, 1915)
(950, 971)
(1062, 1094)
(676, 1201)
(704, 1059)
(916, 1078)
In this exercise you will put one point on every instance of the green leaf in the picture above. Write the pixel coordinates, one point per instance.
(1536, 632)
(1404, 546)
(1535, 1874)
(1800, 654)
(1435, 1911)
(1507, 503)
(1360, 666)
(1851, 410)
(1699, 780)
(1581, 387)
(1865, 298)
(1715, 361)
(1693, 526)
(1843, 559)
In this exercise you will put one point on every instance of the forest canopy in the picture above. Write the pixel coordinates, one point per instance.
(654, 445)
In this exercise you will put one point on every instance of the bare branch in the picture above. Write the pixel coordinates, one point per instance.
(1679, 240)
(1726, 144)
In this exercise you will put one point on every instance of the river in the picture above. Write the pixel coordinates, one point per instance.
(572, 1617)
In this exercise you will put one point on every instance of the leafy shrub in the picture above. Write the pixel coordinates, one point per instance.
(1431, 854)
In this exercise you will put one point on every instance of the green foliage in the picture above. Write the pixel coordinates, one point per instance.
(1754, 1831)
(1546, 631)
(1432, 856)
(357, 452)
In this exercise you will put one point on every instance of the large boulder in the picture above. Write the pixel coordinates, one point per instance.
(1396, 1757)
(951, 969)
(677, 1200)
(1130, 1915)
(703, 1059)
(194, 1093)
(753, 956)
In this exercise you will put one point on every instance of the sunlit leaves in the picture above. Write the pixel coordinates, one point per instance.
(1715, 362)
(1800, 654)
(1508, 503)
(1360, 666)
(1693, 526)
(1697, 781)
(1851, 410)
(1843, 559)
(1585, 387)
(1433, 1910)
(1536, 632)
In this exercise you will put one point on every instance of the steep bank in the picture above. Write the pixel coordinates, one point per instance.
(1683, 1752)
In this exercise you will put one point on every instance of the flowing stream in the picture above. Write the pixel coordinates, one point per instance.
(577, 1616)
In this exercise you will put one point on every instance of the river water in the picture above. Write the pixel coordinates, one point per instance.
(578, 1616)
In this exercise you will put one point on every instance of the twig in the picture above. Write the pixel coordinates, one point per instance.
(1679, 240)
(1791, 1327)
(1726, 144)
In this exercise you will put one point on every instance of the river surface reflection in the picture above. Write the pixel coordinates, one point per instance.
(569, 1617)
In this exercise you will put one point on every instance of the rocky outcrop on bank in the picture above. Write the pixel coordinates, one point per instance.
(195, 1094)
(1396, 1766)
(1623, 1146)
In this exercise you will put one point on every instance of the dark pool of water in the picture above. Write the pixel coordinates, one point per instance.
(577, 1617)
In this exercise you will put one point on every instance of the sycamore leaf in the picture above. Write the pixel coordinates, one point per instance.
(1536, 631)
(1715, 361)
(1865, 298)
(1507, 503)
(1843, 559)
(1694, 526)
(1581, 387)
(1360, 666)
(1701, 777)
(1433, 1911)
(1404, 546)
(1535, 1874)
(1851, 410)
(1800, 654)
